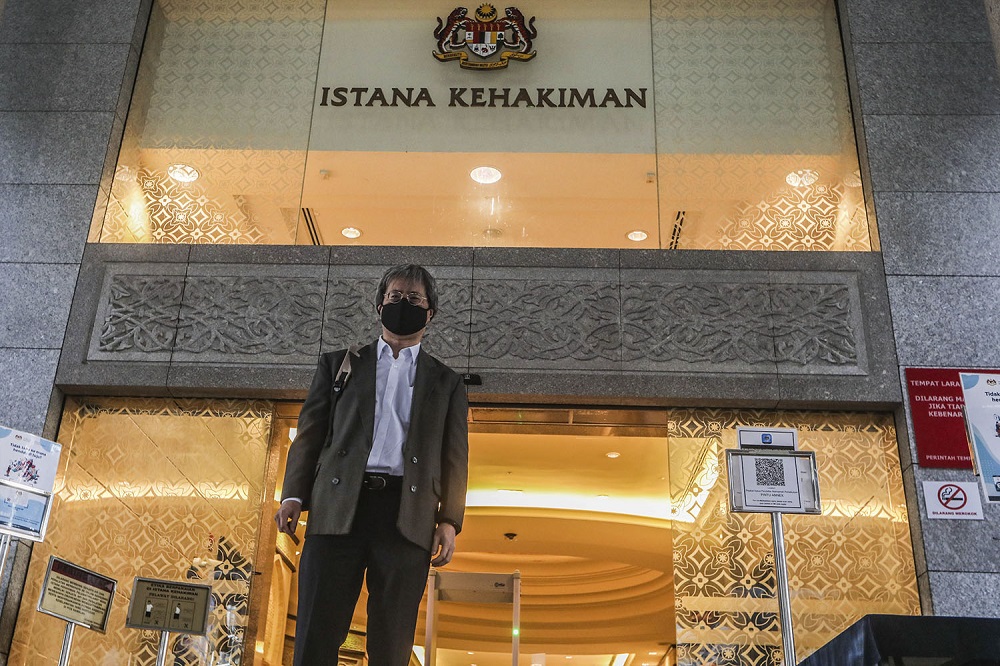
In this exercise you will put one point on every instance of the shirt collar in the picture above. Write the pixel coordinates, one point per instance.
(407, 354)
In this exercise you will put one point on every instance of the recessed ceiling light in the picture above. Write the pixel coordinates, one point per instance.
(638, 235)
(485, 175)
(802, 178)
(183, 173)
(612, 454)
(350, 232)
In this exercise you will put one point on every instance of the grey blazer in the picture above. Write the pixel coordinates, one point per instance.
(326, 462)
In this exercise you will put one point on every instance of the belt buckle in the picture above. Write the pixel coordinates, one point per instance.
(376, 482)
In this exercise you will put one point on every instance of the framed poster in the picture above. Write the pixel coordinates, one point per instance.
(166, 605)
(982, 419)
(28, 465)
(77, 595)
(775, 481)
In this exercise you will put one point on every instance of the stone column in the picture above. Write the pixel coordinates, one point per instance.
(66, 74)
(929, 99)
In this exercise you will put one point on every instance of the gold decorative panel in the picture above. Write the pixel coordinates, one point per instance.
(739, 99)
(167, 489)
(854, 559)
(617, 519)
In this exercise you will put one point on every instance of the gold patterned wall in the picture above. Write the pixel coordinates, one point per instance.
(176, 489)
(854, 559)
(167, 489)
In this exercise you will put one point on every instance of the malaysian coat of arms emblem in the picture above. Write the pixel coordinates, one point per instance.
(484, 35)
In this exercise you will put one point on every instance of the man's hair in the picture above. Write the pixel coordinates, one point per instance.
(409, 273)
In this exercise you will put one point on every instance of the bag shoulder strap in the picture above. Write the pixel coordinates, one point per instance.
(344, 373)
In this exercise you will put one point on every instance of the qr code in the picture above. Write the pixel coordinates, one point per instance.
(769, 472)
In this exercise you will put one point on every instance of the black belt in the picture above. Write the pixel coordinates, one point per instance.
(375, 481)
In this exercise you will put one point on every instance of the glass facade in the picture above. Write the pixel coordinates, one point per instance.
(676, 124)
(618, 521)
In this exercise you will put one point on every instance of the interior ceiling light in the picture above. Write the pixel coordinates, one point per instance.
(638, 235)
(350, 232)
(183, 173)
(612, 454)
(485, 175)
(802, 178)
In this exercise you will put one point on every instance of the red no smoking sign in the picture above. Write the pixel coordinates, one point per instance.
(955, 500)
(952, 497)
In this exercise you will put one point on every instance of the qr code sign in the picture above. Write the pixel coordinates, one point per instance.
(769, 472)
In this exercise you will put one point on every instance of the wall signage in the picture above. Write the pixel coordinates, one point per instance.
(77, 595)
(28, 467)
(166, 605)
(546, 78)
(982, 416)
(935, 396)
(484, 36)
(953, 500)
(773, 481)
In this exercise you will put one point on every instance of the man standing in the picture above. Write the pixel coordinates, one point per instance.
(380, 462)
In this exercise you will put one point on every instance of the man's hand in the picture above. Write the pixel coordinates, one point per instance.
(287, 517)
(443, 546)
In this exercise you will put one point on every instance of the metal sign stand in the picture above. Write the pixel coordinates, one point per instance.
(161, 654)
(4, 548)
(67, 644)
(785, 482)
(784, 600)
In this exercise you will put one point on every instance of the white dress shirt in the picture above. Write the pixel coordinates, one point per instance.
(393, 398)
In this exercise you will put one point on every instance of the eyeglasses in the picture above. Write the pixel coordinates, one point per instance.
(413, 298)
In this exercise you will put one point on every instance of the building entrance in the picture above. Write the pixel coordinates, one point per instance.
(616, 519)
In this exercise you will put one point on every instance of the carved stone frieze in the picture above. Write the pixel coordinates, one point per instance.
(696, 323)
(709, 328)
(544, 321)
(250, 315)
(813, 324)
(750, 324)
(141, 314)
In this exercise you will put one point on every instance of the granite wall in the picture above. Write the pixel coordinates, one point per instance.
(66, 71)
(927, 90)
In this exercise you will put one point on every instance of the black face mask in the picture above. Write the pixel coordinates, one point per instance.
(403, 318)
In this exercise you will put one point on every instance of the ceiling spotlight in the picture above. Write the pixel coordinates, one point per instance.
(485, 175)
(612, 454)
(802, 178)
(183, 173)
(350, 232)
(638, 235)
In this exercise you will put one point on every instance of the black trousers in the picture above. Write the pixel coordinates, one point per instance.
(331, 570)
